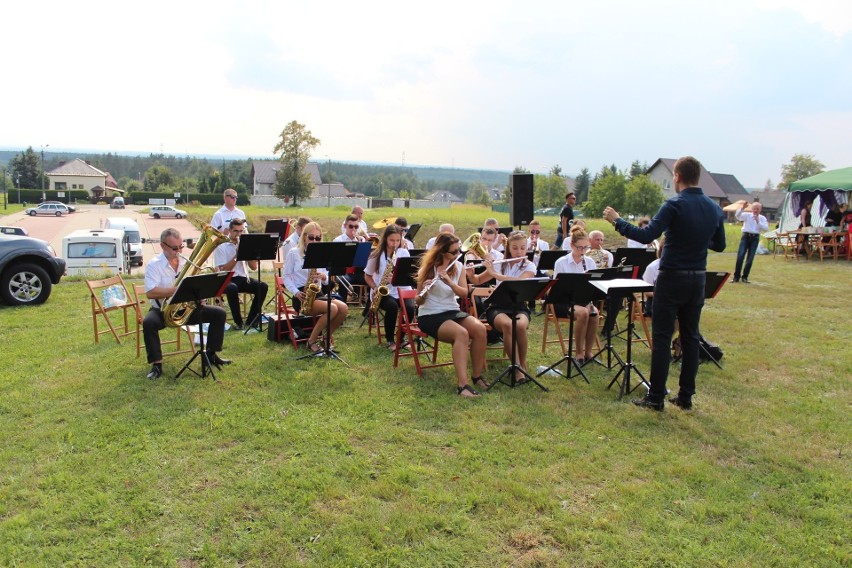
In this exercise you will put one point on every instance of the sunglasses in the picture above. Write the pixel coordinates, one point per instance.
(352, 226)
(454, 252)
(317, 239)
(176, 249)
(231, 196)
(534, 231)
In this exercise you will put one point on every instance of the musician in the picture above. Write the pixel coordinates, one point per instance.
(358, 212)
(602, 257)
(535, 243)
(444, 228)
(500, 243)
(296, 278)
(653, 245)
(402, 223)
(479, 276)
(293, 240)
(439, 280)
(160, 285)
(585, 317)
(379, 271)
(354, 276)
(225, 259)
(566, 244)
(228, 211)
(514, 266)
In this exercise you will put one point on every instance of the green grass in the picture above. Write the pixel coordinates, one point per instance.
(286, 462)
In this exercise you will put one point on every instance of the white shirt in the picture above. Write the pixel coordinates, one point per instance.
(651, 272)
(377, 271)
(291, 242)
(345, 239)
(224, 254)
(295, 276)
(515, 269)
(441, 298)
(540, 245)
(223, 216)
(566, 264)
(160, 274)
(750, 224)
(430, 243)
(653, 245)
(363, 224)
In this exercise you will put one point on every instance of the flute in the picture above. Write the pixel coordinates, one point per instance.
(496, 262)
(427, 287)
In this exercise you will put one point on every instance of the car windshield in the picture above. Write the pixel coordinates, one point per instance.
(132, 236)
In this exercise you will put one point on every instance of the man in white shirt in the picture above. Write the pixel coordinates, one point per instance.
(228, 211)
(444, 228)
(753, 224)
(225, 259)
(358, 211)
(293, 239)
(355, 276)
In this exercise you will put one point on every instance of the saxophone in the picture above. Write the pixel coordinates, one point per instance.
(176, 315)
(312, 289)
(382, 289)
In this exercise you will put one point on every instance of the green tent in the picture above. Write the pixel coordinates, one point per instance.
(824, 190)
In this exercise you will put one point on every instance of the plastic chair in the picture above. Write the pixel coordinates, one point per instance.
(108, 296)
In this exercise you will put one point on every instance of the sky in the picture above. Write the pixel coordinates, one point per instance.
(742, 85)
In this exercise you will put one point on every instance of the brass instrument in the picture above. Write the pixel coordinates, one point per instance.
(382, 289)
(312, 290)
(600, 258)
(176, 315)
(374, 239)
(473, 245)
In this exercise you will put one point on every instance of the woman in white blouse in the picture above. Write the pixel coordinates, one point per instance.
(390, 248)
(585, 317)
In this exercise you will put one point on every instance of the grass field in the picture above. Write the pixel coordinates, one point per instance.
(284, 462)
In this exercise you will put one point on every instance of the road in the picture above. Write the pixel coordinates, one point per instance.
(52, 229)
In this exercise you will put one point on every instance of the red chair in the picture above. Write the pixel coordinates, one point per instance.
(285, 313)
(409, 331)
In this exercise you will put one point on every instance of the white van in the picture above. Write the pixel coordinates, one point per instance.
(131, 235)
(94, 251)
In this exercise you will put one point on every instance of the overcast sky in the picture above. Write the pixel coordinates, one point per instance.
(742, 85)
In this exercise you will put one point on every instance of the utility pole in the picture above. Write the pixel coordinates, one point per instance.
(43, 194)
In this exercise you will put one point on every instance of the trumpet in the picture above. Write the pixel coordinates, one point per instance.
(374, 239)
(496, 262)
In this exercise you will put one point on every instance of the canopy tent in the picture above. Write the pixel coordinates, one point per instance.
(823, 190)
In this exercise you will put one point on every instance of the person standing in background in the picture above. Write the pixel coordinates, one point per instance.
(753, 224)
(566, 216)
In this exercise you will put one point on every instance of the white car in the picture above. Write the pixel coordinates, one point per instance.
(57, 209)
(158, 211)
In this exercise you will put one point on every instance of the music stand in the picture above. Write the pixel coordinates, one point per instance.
(713, 282)
(281, 227)
(514, 293)
(257, 247)
(336, 258)
(573, 289)
(412, 231)
(195, 289)
(548, 258)
(634, 257)
(621, 288)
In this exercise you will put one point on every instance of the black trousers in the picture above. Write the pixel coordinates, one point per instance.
(678, 295)
(391, 307)
(154, 322)
(240, 284)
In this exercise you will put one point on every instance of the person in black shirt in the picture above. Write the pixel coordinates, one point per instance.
(692, 222)
(566, 216)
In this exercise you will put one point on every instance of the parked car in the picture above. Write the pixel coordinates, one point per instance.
(13, 231)
(57, 209)
(117, 203)
(158, 211)
(71, 208)
(28, 270)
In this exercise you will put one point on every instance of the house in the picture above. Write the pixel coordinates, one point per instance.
(263, 173)
(662, 170)
(771, 201)
(79, 175)
(444, 196)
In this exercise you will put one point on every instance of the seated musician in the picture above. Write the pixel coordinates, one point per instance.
(603, 259)
(477, 276)
(296, 278)
(535, 243)
(444, 228)
(354, 276)
(500, 243)
(225, 258)
(514, 266)
(439, 280)
(378, 273)
(566, 244)
(652, 271)
(293, 240)
(402, 223)
(643, 222)
(160, 285)
(585, 317)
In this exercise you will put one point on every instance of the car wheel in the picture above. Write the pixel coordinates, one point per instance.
(24, 284)
(59, 213)
(156, 215)
(32, 213)
(178, 216)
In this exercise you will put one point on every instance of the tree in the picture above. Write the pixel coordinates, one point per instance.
(768, 185)
(157, 177)
(608, 189)
(642, 196)
(637, 169)
(478, 194)
(549, 190)
(581, 186)
(800, 167)
(25, 169)
(295, 146)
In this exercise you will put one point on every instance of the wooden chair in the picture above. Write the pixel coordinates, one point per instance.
(484, 293)
(638, 315)
(110, 295)
(408, 330)
(550, 318)
(141, 303)
(786, 244)
(829, 245)
(285, 313)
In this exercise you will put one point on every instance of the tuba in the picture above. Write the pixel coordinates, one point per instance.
(176, 315)
(473, 245)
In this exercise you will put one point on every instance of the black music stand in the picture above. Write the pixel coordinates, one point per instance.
(712, 286)
(195, 289)
(412, 231)
(572, 289)
(405, 274)
(634, 257)
(625, 288)
(514, 293)
(548, 258)
(336, 258)
(257, 247)
(612, 307)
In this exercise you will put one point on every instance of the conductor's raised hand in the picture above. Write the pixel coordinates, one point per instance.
(611, 214)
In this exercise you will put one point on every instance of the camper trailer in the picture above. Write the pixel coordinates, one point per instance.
(95, 251)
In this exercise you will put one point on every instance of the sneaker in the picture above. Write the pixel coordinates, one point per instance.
(745, 280)
(391, 345)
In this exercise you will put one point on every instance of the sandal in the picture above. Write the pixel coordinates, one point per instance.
(315, 346)
(469, 389)
(481, 383)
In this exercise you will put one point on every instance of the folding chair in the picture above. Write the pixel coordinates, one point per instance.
(141, 302)
(377, 319)
(417, 339)
(111, 295)
(638, 315)
(285, 313)
(472, 310)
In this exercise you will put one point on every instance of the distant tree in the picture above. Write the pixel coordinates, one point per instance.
(25, 169)
(637, 169)
(556, 170)
(642, 196)
(768, 185)
(608, 189)
(478, 194)
(581, 185)
(520, 170)
(157, 177)
(549, 191)
(800, 167)
(224, 180)
(295, 147)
